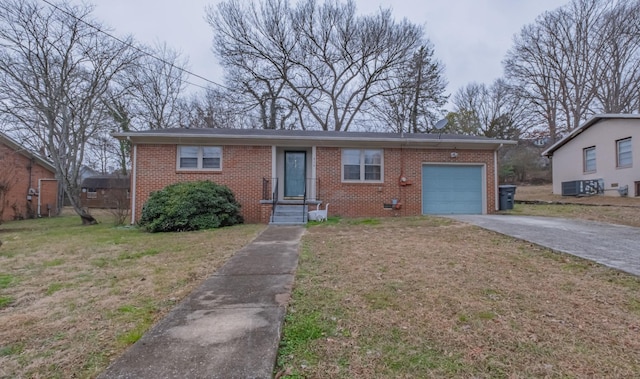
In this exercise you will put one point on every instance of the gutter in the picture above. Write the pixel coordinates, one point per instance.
(134, 190)
(269, 140)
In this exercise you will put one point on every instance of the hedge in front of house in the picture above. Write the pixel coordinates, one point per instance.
(190, 206)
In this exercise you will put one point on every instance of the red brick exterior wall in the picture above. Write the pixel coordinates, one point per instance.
(367, 199)
(48, 197)
(243, 168)
(14, 170)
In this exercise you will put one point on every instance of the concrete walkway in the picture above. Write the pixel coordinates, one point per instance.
(614, 246)
(230, 326)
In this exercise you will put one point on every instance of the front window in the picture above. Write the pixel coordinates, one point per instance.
(623, 148)
(362, 165)
(589, 157)
(199, 158)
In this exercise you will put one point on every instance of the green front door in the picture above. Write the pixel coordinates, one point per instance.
(295, 163)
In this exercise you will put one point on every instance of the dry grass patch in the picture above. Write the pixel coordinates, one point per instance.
(430, 297)
(77, 296)
(545, 193)
(611, 209)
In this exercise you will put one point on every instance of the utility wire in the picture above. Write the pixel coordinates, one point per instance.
(138, 48)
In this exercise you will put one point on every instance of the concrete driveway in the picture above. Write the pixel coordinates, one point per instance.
(615, 246)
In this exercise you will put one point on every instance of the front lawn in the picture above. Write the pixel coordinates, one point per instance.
(430, 297)
(73, 298)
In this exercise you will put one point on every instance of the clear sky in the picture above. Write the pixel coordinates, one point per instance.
(470, 37)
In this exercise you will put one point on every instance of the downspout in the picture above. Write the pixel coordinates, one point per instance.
(274, 168)
(29, 196)
(401, 178)
(314, 182)
(30, 171)
(495, 178)
(134, 190)
(39, 197)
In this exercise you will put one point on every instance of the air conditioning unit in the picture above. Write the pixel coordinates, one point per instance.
(583, 187)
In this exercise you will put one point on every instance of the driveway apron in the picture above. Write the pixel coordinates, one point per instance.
(230, 326)
(614, 246)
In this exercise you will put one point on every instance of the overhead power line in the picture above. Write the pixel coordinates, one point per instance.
(138, 48)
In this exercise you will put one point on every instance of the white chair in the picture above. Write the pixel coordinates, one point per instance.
(319, 214)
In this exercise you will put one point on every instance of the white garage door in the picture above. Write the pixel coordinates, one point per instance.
(452, 189)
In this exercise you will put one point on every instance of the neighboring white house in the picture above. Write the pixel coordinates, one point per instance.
(606, 148)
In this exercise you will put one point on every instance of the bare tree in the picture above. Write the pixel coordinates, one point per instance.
(526, 67)
(577, 60)
(121, 115)
(415, 95)
(332, 63)
(495, 111)
(103, 154)
(618, 73)
(213, 108)
(55, 68)
(572, 30)
(156, 84)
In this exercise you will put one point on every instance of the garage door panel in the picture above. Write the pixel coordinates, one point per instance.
(452, 189)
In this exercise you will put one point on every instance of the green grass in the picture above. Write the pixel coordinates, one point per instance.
(148, 252)
(304, 325)
(331, 220)
(132, 336)
(364, 221)
(381, 299)
(53, 263)
(54, 287)
(5, 301)
(485, 315)
(8, 350)
(407, 360)
(634, 306)
(6, 280)
(141, 316)
(100, 262)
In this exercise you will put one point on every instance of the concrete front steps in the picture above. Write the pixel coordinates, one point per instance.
(290, 214)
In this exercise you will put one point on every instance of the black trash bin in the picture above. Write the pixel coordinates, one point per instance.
(507, 194)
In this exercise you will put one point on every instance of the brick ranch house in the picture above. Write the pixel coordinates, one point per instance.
(28, 187)
(360, 174)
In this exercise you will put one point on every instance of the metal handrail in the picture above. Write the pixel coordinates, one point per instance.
(304, 202)
(274, 200)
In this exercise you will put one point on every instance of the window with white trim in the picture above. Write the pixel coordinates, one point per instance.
(623, 150)
(589, 159)
(208, 158)
(362, 165)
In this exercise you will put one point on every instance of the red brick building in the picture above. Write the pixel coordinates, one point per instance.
(359, 174)
(28, 187)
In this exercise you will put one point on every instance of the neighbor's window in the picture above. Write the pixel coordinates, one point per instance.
(589, 159)
(623, 148)
(199, 157)
(361, 165)
(92, 193)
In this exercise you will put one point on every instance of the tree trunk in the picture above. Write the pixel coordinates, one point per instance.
(85, 216)
(87, 219)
